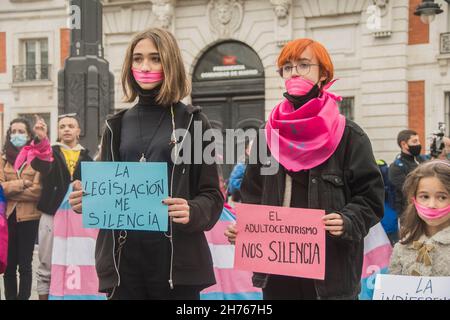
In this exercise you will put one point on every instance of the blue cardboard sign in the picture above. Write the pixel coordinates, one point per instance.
(125, 195)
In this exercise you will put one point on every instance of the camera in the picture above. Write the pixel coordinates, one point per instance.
(437, 144)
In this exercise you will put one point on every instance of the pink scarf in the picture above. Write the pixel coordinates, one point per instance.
(307, 136)
(42, 151)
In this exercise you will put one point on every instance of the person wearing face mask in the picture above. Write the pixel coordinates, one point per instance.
(326, 162)
(22, 188)
(424, 248)
(57, 174)
(404, 163)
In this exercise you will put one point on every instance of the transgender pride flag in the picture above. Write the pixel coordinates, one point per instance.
(231, 284)
(377, 253)
(73, 274)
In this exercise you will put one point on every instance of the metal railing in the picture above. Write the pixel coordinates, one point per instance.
(36, 72)
(445, 42)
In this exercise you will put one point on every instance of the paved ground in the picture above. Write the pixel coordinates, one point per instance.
(34, 295)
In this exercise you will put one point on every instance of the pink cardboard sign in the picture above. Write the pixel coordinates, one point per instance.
(279, 240)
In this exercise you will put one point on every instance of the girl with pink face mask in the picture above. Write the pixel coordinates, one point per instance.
(424, 249)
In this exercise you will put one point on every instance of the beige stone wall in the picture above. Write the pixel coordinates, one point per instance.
(31, 20)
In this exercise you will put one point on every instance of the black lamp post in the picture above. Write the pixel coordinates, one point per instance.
(428, 10)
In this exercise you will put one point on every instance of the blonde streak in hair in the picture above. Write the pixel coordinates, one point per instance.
(164, 94)
(171, 88)
(180, 85)
(176, 86)
(183, 79)
(126, 74)
(177, 70)
(125, 85)
(123, 78)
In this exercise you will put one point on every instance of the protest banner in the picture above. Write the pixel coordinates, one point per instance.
(125, 195)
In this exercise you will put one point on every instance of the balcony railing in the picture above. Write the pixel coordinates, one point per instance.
(445, 43)
(36, 72)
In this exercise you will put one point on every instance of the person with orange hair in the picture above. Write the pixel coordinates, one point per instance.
(326, 162)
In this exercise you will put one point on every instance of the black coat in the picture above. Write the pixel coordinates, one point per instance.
(349, 183)
(56, 179)
(398, 170)
(198, 183)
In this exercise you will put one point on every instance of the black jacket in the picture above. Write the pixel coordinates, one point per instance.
(398, 170)
(198, 183)
(56, 179)
(349, 183)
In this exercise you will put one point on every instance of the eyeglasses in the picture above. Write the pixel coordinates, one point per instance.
(67, 115)
(301, 68)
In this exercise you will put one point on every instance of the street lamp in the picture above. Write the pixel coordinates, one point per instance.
(428, 10)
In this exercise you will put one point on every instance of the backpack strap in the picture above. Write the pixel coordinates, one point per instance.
(399, 163)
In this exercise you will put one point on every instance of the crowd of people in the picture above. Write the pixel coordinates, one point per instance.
(325, 162)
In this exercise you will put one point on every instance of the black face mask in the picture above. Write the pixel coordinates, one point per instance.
(299, 101)
(414, 150)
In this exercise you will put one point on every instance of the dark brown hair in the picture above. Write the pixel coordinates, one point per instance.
(412, 226)
(175, 85)
(405, 135)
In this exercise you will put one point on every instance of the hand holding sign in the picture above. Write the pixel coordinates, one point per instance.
(128, 196)
(178, 210)
(76, 196)
(334, 224)
(231, 233)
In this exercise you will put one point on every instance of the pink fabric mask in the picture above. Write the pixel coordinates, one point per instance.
(147, 77)
(308, 136)
(298, 86)
(429, 213)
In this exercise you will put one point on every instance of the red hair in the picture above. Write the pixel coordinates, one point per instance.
(294, 49)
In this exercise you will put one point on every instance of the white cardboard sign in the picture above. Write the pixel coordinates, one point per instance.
(394, 287)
